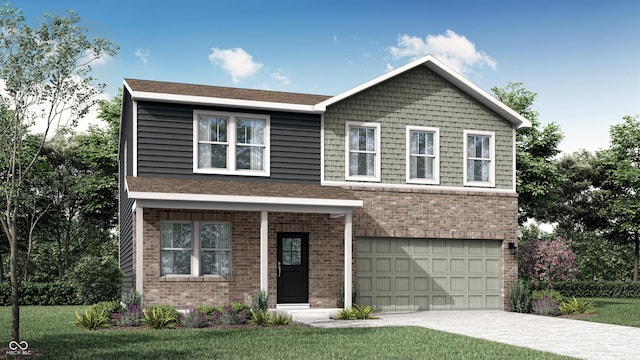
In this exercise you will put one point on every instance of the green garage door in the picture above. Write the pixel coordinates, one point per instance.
(429, 274)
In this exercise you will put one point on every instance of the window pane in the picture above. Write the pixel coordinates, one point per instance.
(421, 167)
(286, 257)
(477, 170)
(362, 164)
(249, 157)
(429, 143)
(371, 139)
(296, 258)
(166, 235)
(296, 244)
(212, 128)
(176, 262)
(250, 131)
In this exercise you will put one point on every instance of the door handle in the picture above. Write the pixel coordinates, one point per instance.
(279, 268)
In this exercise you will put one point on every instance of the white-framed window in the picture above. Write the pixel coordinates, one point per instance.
(362, 151)
(231, 143)
(423, 155)
(479, 158)
(195, 248)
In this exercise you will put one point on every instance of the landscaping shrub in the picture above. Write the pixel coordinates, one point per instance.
(346, 314)
(160, 316)
(364, 312)
(545, 306)
(208, 310)
(260, 318)
(34, 293)
(577, 306)
(131, 316)
(552, 294)
(545, 258)
(110, 307)
(132, 298)
(260, 301)
(230, 315)
(520, 297)
(279, 318)
(192, 318)
(594, 289)
(96, 279)
(93, 318)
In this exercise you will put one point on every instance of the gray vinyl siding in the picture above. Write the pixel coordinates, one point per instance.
(165, 144)
(418, 97)
(125, 204)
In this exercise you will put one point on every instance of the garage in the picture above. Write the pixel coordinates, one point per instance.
(429, 274)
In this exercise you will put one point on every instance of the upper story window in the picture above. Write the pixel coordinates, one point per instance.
(195, 248)
(479, 158)
(423, 158)
(362, 156)
(230, 143)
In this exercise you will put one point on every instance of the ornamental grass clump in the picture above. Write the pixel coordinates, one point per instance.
(577, 306)
(520, 297)
(131, 316)
(92, 319)
(192, 318)
(160, 316)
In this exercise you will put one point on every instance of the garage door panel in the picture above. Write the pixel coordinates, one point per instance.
(402, 283)
(402, 265)
(429, 274)
(383, 265)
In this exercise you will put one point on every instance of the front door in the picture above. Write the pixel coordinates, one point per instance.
(293, 268)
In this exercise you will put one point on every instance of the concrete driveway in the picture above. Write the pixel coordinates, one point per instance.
(581, 339)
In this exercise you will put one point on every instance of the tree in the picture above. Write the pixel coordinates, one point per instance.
(536, 173)
(47, 77)
(621, 179)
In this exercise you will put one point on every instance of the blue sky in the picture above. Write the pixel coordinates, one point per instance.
(582, 58)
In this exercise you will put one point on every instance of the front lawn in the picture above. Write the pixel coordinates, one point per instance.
(50, 328)
(616, 311)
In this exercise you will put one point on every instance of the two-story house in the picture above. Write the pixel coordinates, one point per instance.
(404, 185)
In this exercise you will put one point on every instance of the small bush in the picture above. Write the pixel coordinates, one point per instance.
(131, 316)
(520, 297)
(545, 306)
(364, 312)
(577, 306)
(346, 314)
(132, 298)
(96, 279)
(230, 316)
(552, 294)
(110, 307)
(92, 319)
(279, 318)
(192, 319)
(595, 288)
(260, 301)
(160, 316)
(260, 318)
(208, 310)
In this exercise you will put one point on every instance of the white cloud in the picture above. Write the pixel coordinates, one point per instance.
(283, 79)
(455, 50)
(237, 62)
(142, 54)
(389, 67)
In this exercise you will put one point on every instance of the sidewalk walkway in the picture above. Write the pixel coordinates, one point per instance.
(581, 339)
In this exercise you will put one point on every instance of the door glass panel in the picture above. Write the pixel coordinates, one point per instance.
(292, 251)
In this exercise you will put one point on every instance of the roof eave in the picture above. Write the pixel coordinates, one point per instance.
(217, 101)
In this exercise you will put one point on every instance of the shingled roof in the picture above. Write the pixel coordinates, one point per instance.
(162, 87)
(144, 185)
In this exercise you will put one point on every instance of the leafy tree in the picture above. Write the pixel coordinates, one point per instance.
(536, 173)
(620, 170)
(47, 77)
(544, 257)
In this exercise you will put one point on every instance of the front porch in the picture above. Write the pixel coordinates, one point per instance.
(257, 223)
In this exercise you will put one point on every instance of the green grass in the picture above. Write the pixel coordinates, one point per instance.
(616, 311)
(50, 328)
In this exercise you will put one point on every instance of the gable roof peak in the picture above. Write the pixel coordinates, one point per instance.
(448, 74)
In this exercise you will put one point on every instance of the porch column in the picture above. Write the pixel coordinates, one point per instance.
(139, 245)
(264, 250)
(347, 261)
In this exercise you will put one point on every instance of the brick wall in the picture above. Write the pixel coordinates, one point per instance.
(433, 214)
(326, 256)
